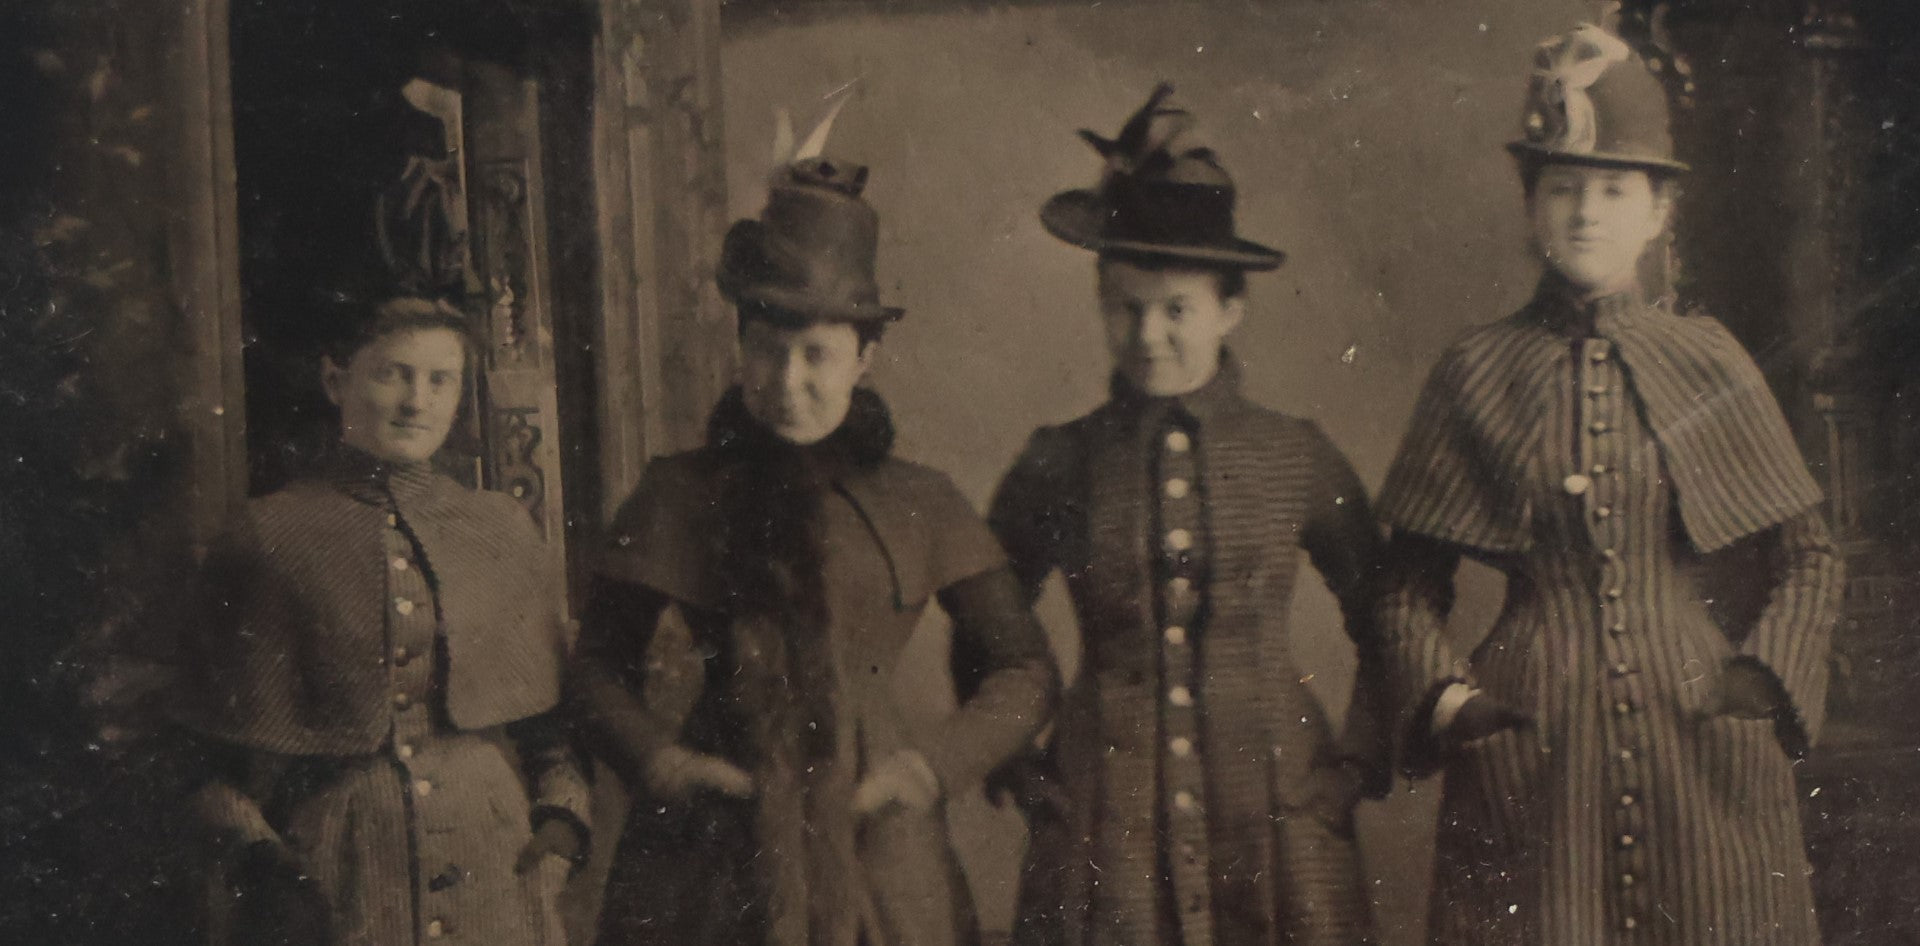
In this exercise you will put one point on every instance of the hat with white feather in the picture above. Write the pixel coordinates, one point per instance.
(809, 257)
(1590, 100)
(1160, 196)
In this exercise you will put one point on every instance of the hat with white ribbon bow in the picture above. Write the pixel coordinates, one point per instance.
(1590, 100)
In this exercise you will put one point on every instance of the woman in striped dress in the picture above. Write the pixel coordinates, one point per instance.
(1194, 791)
(1618, 758)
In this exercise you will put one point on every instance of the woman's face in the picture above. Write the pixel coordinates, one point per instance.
(398, 395)
(1593, 223)
(798, 382)
(1165, 327)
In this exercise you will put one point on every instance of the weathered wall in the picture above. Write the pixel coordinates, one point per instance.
(1366, 139)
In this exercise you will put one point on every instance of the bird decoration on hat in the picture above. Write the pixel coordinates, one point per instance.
(1160, 195)
(810, 254)
(1565, 68)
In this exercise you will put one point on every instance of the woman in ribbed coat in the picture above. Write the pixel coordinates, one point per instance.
(367, 679)
(1618, 758)
(1193, 791)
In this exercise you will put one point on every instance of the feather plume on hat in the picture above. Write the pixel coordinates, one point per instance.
(1591, 99)
(810, 254)
(807, 163)
(1565, 68)
(1145, 141)
(1160, 195)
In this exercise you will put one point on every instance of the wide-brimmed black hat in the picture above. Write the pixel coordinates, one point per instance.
(810, 255)
(1160, 196)
(1590, 100)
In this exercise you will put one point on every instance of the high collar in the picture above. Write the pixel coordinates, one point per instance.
(1220, 394)
(372, 480)
(863, 439)
(1565, 308)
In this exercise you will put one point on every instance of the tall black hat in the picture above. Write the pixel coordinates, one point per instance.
(1160, 196)
(810, 255)
(1590, 100)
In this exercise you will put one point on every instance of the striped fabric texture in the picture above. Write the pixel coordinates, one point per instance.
(1094, 500)
(1597, 456)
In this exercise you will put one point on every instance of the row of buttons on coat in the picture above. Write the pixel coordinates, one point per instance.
(1600, 391)
(1180, 517)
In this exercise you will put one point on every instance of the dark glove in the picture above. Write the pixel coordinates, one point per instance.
(276, 903)
(1031, 784)
(1743, 690)
(555, 837)
(1333, 791)
(1482, 716)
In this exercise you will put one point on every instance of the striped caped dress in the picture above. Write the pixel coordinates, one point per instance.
(1609, 457)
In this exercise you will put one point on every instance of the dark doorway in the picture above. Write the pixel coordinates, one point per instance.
(435, 149)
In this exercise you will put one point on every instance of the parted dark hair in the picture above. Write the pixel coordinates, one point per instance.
(377, 320)
(869, 331)
(1230, 281)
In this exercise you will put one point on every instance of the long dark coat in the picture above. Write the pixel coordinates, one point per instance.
(666, 656)
(1607, 457)
(1085, 499)
(369, 666)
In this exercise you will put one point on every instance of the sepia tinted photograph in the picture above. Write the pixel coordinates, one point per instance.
(960, 472)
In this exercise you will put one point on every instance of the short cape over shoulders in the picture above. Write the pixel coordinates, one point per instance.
(283, 645)
(668, 535)
(1464, 470)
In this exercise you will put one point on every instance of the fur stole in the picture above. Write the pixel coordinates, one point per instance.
(787, 669)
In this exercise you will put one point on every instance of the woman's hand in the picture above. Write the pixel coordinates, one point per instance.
(903, 778)
(677, 772)
(1482, 716)
(276, 902)
(1031, 783)
(1332, 793)
(556, 837)
(1743, 690)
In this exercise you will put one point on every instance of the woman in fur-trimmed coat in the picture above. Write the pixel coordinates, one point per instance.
(738, 650)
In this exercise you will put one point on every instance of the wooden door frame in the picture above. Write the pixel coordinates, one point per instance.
(666, 348)
(203, 255)
(663, 340)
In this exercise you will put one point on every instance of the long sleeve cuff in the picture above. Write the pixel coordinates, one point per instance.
(1010, 686)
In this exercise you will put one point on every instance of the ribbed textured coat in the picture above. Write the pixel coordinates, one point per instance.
(1609, 458)
(372, 655)
(1210, 842)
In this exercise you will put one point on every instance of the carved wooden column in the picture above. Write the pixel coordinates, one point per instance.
(666, 349)
(1789, 120)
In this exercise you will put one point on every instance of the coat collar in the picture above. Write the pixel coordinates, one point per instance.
(1211, 401)
(373, 481)
(1565, 310)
